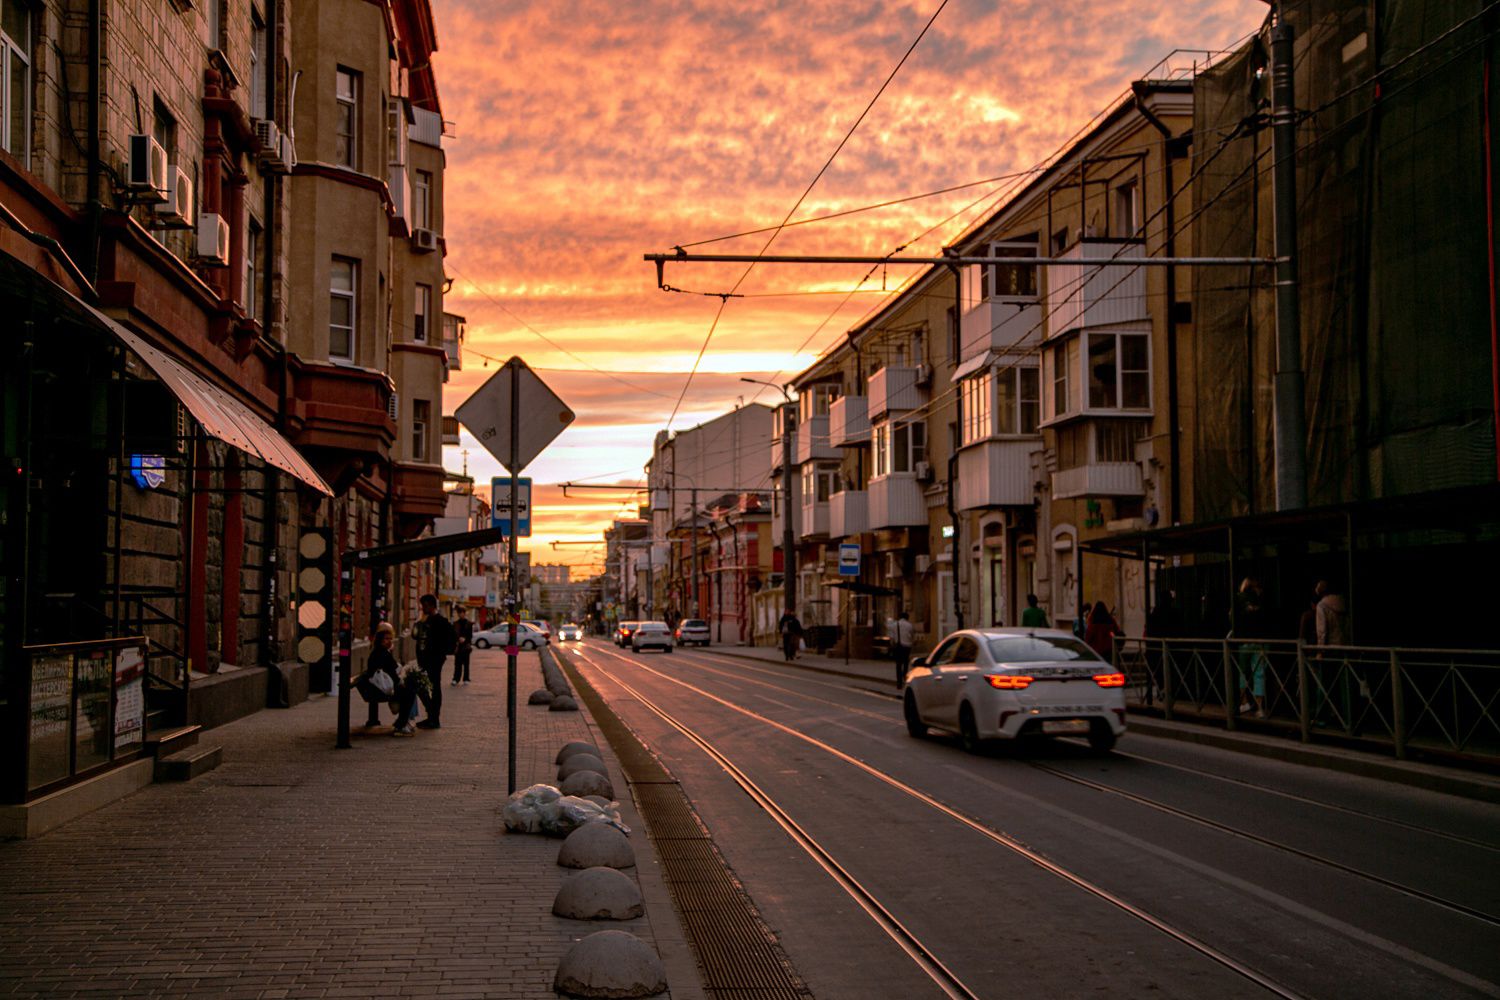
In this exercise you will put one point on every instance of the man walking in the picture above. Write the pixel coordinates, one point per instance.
(435, 640)
(791, 634)
(901, 639)
(1033, 616)
(464, 633)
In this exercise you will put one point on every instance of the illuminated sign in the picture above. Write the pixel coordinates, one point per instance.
(148, 471)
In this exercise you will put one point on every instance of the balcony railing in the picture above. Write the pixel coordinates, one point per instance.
(812, 443)
(996, 474)
(814, 523)
(895, 388)
(1092, 293)
(450, 430)
(1099, 479)
(849, 421)
(896, 501)
(848, 513)
(1000, 325)
(1440, 701)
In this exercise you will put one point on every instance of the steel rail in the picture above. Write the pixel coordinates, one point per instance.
(1181, 936)
(908, 942)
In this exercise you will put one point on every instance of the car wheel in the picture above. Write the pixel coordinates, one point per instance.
(1101, 739)
(915, 727)
(968, 730)
(528, 645)
(482, 643)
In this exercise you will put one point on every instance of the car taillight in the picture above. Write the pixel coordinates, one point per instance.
(1110, 680)
(1009, 682)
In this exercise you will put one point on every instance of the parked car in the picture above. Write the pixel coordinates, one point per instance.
(499, 635)
(623, 633)
(651, 635)
(1005, 683)
(692, 631)
(570, 632)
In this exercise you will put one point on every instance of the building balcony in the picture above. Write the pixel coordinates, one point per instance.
(996, 474)
(450, 431)
(848, 514)
(896, 501)
(849, 421)
(896, 388)
(1099, 479)
(1004, 325)
(813, 524)
(340, 417)
(1094, 294)
(811, 442)
(417, 496)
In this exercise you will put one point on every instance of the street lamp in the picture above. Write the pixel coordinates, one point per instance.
(788, 554)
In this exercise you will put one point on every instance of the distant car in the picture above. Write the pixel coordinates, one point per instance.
(499, 635)
(652, 635)
(692, 631)
(1005, 683)
(570, 632)
(623, 633)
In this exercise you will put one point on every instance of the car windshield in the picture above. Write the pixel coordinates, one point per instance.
(1036, 648)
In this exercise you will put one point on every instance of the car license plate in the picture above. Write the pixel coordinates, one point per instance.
(1065, 726)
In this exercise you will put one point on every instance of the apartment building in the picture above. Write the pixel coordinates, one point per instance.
(198, 246)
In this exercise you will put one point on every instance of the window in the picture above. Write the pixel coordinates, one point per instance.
(977, 396)
(1114, 440)
(1039, 649)
(422, 310)
(213, 24)
(1060, 241)
(819, 482)
(163, 126)
(967, 651)
(259, 67)
(1012, 280)
(908, 446)
(15, 78)
(346, 122)
(1119, 371)
(882, 449)
(252, 254)
(421, 416)
(421, 199)
(816, 399)
(1029, 400)
(955, 337)
(342, 288)
(1125, 214)
(1058, 360)
(1073, 446)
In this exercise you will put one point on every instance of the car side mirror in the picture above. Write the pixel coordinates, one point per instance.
(919, 661)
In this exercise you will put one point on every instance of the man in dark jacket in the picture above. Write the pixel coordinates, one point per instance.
(435, 640)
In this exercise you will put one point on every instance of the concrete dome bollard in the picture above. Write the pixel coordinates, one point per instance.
(541, 696)
(595, 845)
(610, 964)
(599, 801)
(563, 703)
(599, 893)
(587, 783)
(581, 762)
(577, 746)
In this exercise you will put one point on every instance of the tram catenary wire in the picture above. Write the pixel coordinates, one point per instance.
(1004, 840)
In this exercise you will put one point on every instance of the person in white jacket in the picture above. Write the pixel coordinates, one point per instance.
(901, 640)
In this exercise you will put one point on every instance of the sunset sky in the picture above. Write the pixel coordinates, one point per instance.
(591, 133)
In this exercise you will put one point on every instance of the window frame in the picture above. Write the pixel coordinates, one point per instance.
(346, 104)
(351, 294)
(421, 429)
(250, 276)
(259, 65)
(421, 312)
(421, 199)
(19, 119)
(899, 446)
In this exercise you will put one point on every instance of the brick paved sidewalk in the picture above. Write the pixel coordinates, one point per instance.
(297, 870)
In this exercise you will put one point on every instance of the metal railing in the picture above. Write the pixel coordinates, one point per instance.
(1445, 701)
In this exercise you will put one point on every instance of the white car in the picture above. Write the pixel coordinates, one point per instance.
(499, 635)
(539, 626)
(691, 631)
(1001, 683)
(570, 632)
(652, 635)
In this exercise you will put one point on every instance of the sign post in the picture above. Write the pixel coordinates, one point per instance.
(493, 414)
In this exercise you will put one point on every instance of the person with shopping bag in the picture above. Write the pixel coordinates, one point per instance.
(380, 680)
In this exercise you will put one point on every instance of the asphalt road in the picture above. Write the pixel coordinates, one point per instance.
(1162, 869)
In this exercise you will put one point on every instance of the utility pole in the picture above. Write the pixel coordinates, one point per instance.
(693, 494)
(1290, 393)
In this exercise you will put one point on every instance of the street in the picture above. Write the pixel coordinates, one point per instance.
(1171, 869)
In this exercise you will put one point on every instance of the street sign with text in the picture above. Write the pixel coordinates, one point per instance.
(849, 559)
(500, 488)
(540, 416)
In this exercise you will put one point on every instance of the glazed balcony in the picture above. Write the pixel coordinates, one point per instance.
(848, 514)
(849, 421)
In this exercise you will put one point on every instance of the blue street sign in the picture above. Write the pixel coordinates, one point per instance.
(500, 505)
(849, 559)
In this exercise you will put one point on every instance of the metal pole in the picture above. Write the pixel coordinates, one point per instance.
(788, 553)
(958, 416)
(731, 258)
(694, 515)
(1291, 419)
(515, 606)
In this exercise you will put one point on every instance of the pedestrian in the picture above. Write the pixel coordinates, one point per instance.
(901, 638)
(1033, 616)
(1251, 624)
(380, 679)
(435, 640)
(1101, 631)
(464, 646)
(791, 634)
(1162, 623)
(1332, 616)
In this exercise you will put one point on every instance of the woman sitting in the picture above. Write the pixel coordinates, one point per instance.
(380, 681)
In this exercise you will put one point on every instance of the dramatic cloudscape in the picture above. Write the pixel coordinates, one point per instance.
(590, 133)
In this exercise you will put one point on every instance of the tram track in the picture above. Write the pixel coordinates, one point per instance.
(862, 894)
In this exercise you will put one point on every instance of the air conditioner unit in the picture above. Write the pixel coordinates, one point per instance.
(923, 471)
(213, 240)
(424, 240)
(268, 135)
(288, 158)
(146, 174)
(392, 407)
(924, 375)
(177, 211)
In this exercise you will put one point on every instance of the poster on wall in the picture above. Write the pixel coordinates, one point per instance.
(130, 697)
(51, 703)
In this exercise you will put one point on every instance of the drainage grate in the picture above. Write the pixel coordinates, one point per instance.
(435, 788)
(738, 955)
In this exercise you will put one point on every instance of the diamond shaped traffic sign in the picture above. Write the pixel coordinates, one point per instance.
(540, 415)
